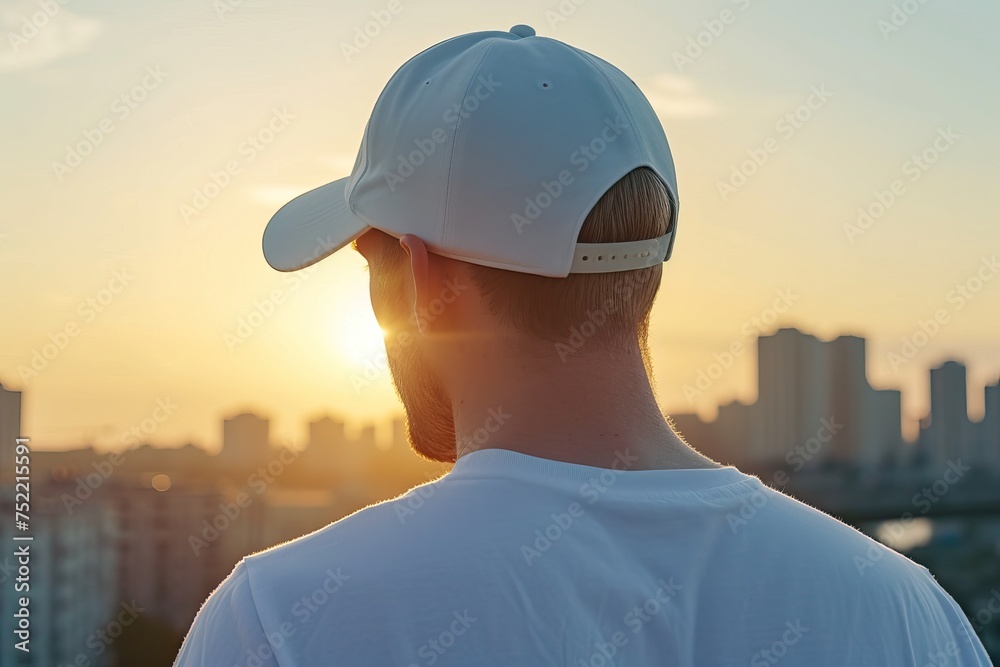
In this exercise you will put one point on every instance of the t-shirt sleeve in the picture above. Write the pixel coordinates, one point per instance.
(965, 649)
(227, 630)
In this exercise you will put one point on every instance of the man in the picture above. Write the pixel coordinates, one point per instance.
(516, 198)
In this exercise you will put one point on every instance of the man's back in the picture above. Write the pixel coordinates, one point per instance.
(516, 560)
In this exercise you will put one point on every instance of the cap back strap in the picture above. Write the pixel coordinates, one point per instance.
(623, 256)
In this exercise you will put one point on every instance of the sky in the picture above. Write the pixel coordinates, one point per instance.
(146, 145)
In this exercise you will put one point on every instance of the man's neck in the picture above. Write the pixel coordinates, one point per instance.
(586, 411)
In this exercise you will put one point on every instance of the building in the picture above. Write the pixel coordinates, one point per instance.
(852, 405)
(989, 438)
(245, 441)
(291, 513)
(883, 437)
(327, 433)
(332, 453)
(72, 588)
(10, 431)
(949, 433)
(737, 433)
(701, 436)
(366, 439)
(814, 405)
(794, 385)
(172, 544)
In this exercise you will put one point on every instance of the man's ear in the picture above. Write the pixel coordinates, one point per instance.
(419, 276)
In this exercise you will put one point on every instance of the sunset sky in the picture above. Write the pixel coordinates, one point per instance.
(145, 267)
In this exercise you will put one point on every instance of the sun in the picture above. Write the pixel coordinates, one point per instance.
(354, 334)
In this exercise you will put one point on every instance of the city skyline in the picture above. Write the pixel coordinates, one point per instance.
(815, 406)
(843, 377)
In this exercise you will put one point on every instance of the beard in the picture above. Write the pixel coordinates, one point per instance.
(430, 422)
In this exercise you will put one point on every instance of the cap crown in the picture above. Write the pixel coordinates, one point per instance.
(493, 148)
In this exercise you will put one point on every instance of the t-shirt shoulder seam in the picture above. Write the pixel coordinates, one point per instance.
(750, 483)
(256, 610)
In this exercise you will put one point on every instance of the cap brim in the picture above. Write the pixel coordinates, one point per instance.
(311, 227)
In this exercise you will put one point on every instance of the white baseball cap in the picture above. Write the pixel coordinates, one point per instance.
(492, 147)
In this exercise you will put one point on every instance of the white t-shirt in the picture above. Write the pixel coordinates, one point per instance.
(519, 561)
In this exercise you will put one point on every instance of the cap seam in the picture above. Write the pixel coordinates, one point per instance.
(570, 251)
(675, 205)
(446, 222)
(365, 162)
(647, 158)
(365, 134)
(621, 102)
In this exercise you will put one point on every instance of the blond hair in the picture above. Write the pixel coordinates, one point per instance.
(635, 208)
